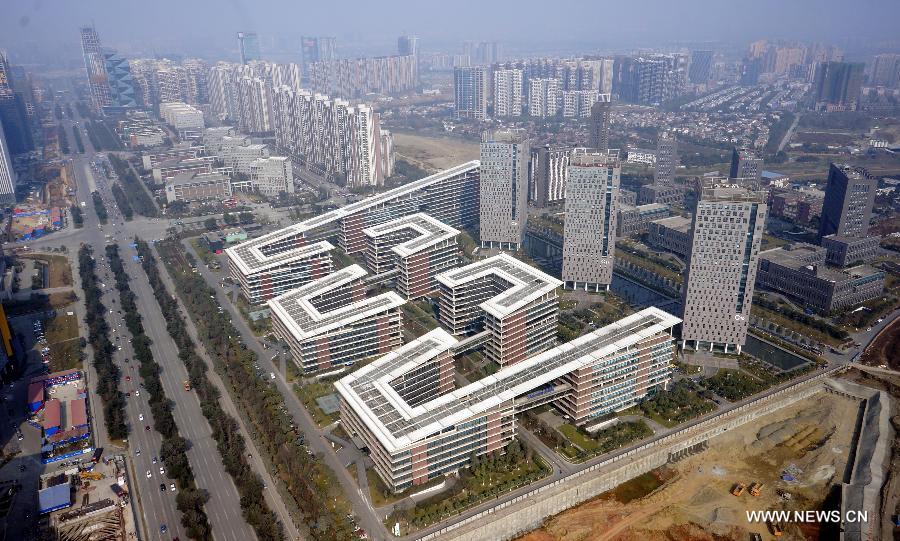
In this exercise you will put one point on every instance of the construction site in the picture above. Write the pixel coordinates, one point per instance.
(800, 457)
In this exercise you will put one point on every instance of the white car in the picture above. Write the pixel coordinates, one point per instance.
(162, 471)
(137, 392)
(140, 417)
(172, 487)
(149, 475)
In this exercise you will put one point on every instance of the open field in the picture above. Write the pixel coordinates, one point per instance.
(62, 339)
(690, 500)
(883, 351)
(434, 153)
(59, 274)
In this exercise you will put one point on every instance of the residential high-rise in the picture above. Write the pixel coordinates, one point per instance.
(507, 93)
(14, 115)
(320, 49)
(221, 88)
(483, 53)
(543, 97)
(718, 286)
(504, 188)
(599, 125)
(7, 174)
(95, 65)
(248, 44)
(849, 197)
(746, 164)
(351, 78)
(409, 46)
(651, 79)
(701, 66)
(666, 159)
(837, 85)
(886, 70)
(549, 170)
(589, 238)
(470, 87)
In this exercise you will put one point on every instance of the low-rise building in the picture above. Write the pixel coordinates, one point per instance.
(663, 194)
(844, 250)
(241, 157)
(672, 234)
(516, 303)
(633, 221)
(181, 116)
(627, 197)
(189, 187)
(800, 206)
(331, 324)
(269, 176)
(417, 246)
(150, 160)
(640, 155)
(798, 271)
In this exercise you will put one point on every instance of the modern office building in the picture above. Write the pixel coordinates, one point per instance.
(471, 87)
(417, 246)
(746, 164)
(271, 176)
(837, 85)
(799, 272)
(634, 221)
(507, 93)
(701, 66)
(718, 287)
(667, 195)
(248, 46)
(504, 188)
(589, 232)
(330, 323)
(450, 196)
(165, 171)
(119, 80)
(515, 303)
(599, 125)
(264, 273)
(849, 197)
(549, 170)
(7, 174)
(189, 187)
(95, 65)
(627, 197)
(543, 97)
(672, 234)
(666, 160)
(418, 426)
(845, 251)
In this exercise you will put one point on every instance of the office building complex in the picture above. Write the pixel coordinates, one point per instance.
(589, 231)
(271, 176)
(543, 97)
(269, 266)
(333, 138)
(837, 86)
(330, 323)
(188, 187)
(418, 426)
(7, 174)
(672, 234)
(470, 88)
(507, 93)
(746, 164)
(667, 195)
(701, 67)
(549, 171)
(417, 246)
(599, 125)
(515, 303)
(666, 160)
(849, 197)
(504, 188)
(886, 70)
(845, 251)
(634, 221)
(799, 272)
(718, 287)
(450, 197)
(248, 46)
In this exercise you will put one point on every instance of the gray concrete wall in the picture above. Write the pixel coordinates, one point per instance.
(527, 512)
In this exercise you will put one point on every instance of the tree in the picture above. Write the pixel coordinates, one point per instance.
(230, 219)
(211, 224)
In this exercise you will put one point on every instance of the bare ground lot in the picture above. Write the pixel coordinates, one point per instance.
(434, 153)
(693, 500)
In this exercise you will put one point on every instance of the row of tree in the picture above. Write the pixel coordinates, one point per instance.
(137, 195)
(173, 450)
(305, 478)
(63, 140)
(230, 442)
(122, 201)
(99, 207)
(108, 373)
(79, 144)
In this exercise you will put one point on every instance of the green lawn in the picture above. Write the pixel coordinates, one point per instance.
(576, 437)
(308, 393)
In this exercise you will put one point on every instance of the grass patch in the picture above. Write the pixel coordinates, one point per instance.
(417, 315)
(674, 406)
(59, 271)
(794, 325)
(64, 343)
(578, 438)
(602, 441)
(308, 394)
(202, 251)
(39, 302)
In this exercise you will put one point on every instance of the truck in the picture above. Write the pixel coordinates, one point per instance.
(755, 489)
(738, 489)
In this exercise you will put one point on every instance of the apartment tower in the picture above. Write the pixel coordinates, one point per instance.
(504, 188)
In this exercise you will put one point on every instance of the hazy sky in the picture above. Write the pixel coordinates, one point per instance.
(182, 25)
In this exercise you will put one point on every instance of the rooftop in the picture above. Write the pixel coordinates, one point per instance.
(303, 320)
(679, 223)
(250, 257)
(397, 425)
(430, 231)
(528, 283)
(189, 177)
